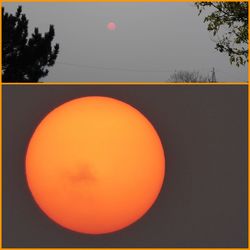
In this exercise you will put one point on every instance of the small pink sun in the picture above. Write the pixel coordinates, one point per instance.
(111, 26)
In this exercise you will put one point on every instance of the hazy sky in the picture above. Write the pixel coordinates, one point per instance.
(151, 41)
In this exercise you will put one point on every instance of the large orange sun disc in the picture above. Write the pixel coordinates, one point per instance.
(95, 165)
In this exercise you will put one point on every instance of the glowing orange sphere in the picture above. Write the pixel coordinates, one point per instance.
(95, 165)
(111, 26)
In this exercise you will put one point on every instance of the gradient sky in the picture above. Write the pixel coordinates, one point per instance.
(152, 40)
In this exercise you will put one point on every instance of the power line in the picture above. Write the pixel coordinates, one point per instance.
(114, 68)
(130, 69)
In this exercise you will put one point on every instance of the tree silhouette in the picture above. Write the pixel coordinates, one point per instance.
(228, 21)
(25, 59)
(188, 76)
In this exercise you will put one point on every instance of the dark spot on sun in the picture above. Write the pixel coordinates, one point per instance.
(81, 173)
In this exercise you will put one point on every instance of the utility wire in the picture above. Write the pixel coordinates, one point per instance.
(133, 70)
(114, 68)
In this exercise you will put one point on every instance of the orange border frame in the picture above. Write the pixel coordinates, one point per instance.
(119, 83)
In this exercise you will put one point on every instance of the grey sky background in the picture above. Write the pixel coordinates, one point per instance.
(151, 41)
